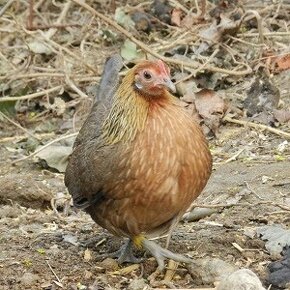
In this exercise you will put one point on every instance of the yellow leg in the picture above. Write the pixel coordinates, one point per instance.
(138, 241)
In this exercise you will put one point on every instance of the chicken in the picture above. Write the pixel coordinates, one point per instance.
(139, 160)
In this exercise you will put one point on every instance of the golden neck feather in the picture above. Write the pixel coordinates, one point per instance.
(128, 114)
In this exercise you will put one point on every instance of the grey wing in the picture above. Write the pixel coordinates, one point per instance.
(109, 83)
(83, 175)
(110, 78)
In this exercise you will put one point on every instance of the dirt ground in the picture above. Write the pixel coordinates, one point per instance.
(43, 248)
(45, 243)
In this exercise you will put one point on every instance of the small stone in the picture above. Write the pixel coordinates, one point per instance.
(109, 264)
(46, 285)
(210, 270)
(138, 284)
(243, 279)
(28, 279)
(88, 275)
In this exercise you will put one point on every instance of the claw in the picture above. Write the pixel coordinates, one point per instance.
(160, 254)
(124, 254)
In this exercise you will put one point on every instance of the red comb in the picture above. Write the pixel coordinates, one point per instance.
(164, 69)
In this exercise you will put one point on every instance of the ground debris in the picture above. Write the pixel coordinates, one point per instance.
(243, 279)
(52, 53)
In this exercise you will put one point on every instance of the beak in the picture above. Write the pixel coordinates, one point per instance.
(167, 82)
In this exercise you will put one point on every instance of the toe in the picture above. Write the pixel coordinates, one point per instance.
(161, 254)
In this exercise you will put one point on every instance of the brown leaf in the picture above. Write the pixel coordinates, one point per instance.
(188, 21)
(87, 255)
(216, 32)
(282, 116)
(176, 16)
(211, 108)
(263, 95)
(208, 103)
(186, 88)
(283, 63)
(275, 61)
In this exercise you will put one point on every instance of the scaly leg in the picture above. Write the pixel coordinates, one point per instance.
(124, 254)
(160, 254)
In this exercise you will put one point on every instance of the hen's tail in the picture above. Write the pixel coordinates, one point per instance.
(110, 78)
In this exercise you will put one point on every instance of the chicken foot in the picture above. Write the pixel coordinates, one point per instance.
(160, 254)
(124, 254)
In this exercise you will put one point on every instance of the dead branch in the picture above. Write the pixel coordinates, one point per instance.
(258, 126)
(31, 96)
(157, 55)
(18, 126)
(45, 146)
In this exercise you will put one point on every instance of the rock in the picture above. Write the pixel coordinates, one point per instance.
(29, 279)
(210, 270)
(279, 271)
(24, 189)
(243, 279)
(138, 284)
(198, 213)
(109, 264)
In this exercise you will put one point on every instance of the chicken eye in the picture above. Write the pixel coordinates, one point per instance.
(147, 75)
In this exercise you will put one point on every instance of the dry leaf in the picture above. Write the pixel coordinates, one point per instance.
(282, 116)
(211, 108)
(216, 32)
(208, 103)
(283, 63)
(262, 96)
(55, 156)
(276, 236)
(87, 255)
(176, 16)
(127, 270)
(279, 275)
(187, 88)
(188, 20)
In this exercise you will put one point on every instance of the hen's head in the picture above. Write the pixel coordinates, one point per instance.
(152, 78)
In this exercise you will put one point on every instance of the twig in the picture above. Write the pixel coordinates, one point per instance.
(257, 126)
(238, 247)
(206, 63)
(179, 5)
(45, 146)
(75, 88)
(13, 138)
(7, 61)
(259, 23)
(234, 157)
(18, 126)
(5, 7)
(53, 272)
(31, 96)
(52, 27)
(30, 14)
(62, 15)
(157, 55)
(57, 26)
(253, 191)
(79, 78)
(193, 74)
(100, 242)
(171, 269)
(245, 42)
(55, 44)
(270, 34)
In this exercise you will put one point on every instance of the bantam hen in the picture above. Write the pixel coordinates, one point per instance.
(139, 159)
